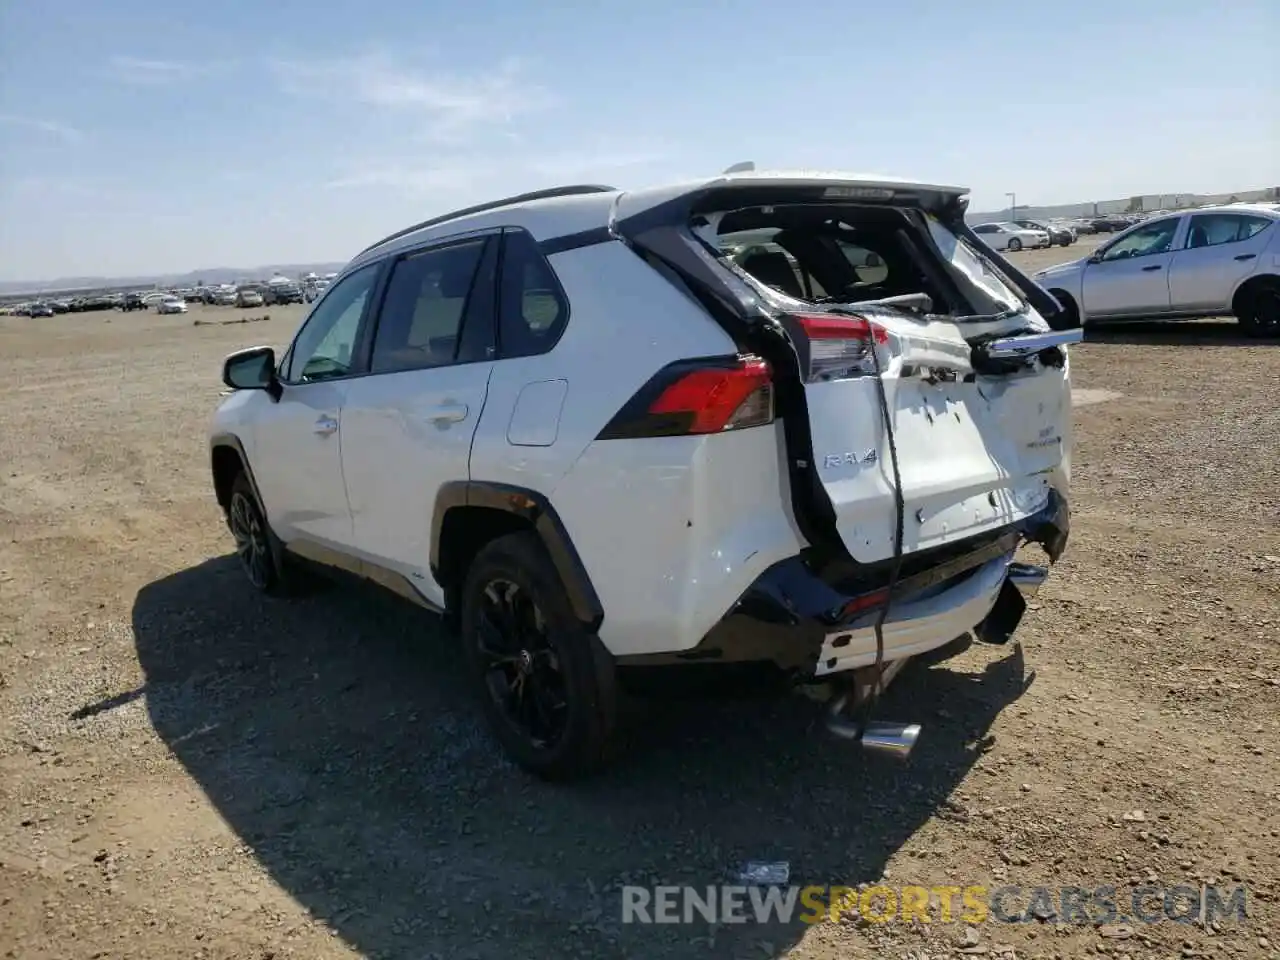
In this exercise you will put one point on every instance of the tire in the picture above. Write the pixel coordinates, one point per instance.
(1259, 315)
(1014, 245)
(257, 549)
(546, 683)
(1069, 319)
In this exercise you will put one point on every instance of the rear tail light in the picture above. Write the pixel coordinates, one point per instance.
(698, 397)
(838, 347)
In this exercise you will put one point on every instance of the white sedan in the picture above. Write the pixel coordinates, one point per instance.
(171, 305)
(1010, 236)
(1213, 261)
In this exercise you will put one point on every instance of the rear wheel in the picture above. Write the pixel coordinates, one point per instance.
(1260, 313)
(1015, 245)
(546, 683)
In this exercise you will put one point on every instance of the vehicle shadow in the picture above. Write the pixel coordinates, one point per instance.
(335, 736)
(1175, 333)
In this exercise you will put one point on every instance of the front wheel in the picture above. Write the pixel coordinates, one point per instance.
(1069, 318)
(1015, 245)
(546, 683)
(255, 548)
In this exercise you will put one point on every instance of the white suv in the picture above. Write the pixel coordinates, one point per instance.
(611, 452)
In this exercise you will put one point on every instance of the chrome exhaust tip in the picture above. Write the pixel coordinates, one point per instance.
(890, 739)
(887, 739)
(1027, 578)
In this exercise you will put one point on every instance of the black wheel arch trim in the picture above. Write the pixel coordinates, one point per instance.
(536, 509)
(231, 441)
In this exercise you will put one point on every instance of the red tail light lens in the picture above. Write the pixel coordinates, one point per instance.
(716, 400)
(838, 346)
(698, 397)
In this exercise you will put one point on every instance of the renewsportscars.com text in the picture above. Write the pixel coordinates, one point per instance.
(938, 904)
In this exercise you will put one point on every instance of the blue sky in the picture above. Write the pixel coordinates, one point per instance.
(142, 136)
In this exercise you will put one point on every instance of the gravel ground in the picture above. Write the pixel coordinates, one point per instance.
(187, 770)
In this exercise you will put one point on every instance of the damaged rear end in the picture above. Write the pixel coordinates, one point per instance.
(925, 402)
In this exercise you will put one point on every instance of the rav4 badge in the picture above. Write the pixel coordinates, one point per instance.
(850, 459)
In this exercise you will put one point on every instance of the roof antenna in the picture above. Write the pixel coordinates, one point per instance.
(743, 167)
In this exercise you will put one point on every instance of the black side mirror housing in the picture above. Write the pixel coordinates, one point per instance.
(252, 369)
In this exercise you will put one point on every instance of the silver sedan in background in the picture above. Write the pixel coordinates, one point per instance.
(1213, 261)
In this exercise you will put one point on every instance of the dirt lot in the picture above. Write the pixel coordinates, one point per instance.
(187, 770)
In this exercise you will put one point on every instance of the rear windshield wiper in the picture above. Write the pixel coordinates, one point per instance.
(918, 302)
(993, 317)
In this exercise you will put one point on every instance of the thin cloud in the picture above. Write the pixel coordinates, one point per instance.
(466, 175)
(46, 188)
(61, 131)
(452, 108)
(410, 180)
(146, 72)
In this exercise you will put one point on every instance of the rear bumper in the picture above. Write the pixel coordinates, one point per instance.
(807, 625)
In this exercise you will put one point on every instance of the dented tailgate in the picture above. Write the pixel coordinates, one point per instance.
(976, 452)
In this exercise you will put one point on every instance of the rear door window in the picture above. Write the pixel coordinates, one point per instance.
(1214, 229)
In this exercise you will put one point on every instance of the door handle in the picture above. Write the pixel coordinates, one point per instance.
(1154, 266)
(448, 413)
(325, 426)
(1246, 256)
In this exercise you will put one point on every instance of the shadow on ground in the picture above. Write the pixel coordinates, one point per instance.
(334, 735)
(1175, 333)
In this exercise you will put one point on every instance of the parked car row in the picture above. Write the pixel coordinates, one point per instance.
(1028, 234)
(1025, 234)
(47, 308)
(1013, 236)
(253, 293)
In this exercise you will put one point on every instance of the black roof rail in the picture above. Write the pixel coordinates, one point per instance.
(573, 190)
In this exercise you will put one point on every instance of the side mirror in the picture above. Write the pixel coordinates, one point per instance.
(1095, 257)
(252, 369)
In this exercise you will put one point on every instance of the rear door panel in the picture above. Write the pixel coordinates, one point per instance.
(1205, 278)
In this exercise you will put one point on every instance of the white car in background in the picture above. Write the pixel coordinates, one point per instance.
(171, 304)
(1213, 261)
(1010, 236)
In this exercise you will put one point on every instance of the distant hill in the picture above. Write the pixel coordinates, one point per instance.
(213, 275)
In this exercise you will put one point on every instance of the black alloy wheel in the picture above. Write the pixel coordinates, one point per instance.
(546, 683)
(521, 667)
(253, 549)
